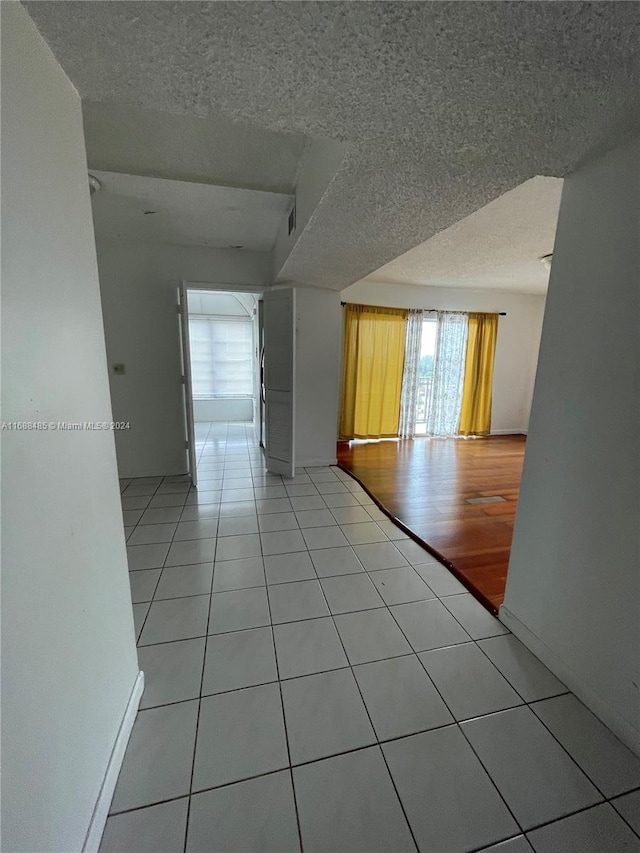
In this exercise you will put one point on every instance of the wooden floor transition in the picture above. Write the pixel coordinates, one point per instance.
(426, 484)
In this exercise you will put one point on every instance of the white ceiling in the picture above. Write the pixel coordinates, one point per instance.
(185, 213)
(443, 106)
(498, 247)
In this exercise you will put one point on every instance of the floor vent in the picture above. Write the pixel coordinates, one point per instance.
(491, 499)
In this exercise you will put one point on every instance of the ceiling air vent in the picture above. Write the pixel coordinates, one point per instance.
(292, 220)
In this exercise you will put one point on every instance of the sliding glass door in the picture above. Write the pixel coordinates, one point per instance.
(425, 372)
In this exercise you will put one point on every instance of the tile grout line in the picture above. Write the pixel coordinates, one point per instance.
(279, 691)
(146, 616)
(412, 653)
(455, 721)
(161, 570)
(546, 727)
(347, 752)
(139, 636)
(373, 728)
(605, 802)
(618, 796)
(572, 814)
(164, 566)
(525, 704)
(284, 716)
(416, 654)
(458, 723)
(202, 671)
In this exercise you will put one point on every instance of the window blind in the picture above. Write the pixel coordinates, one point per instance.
(221, 356)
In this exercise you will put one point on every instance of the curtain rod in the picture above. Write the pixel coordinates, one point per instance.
(435, 310)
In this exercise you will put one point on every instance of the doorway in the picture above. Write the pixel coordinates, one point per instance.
(222, 360)
(221, 343)
(223, 354)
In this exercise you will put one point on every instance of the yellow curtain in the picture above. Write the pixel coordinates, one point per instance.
(475, 414)
(373, 362)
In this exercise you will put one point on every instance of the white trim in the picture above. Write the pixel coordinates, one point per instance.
(223, 398)
(227, 318)
(258, 289)
(101, 809)
(593, 700)
(508, 432)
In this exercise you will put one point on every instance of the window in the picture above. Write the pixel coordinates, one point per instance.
(221, 356)
(425, 372)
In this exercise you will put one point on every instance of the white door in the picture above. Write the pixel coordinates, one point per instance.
(279, 380)
(261, 398)
(187, 387)
(257, 372)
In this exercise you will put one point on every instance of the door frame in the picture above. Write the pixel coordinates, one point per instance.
(187, 285)
(187, 386)
(259, 424)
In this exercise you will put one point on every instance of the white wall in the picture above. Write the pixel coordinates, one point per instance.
(573, 584)
(138, 286)
(223, 409)
(517, 345)
(68, 648)
(318, 359)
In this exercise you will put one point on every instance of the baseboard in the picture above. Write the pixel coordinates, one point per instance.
(508, 432)
(610, 717)
(101, 809)
(316, 463)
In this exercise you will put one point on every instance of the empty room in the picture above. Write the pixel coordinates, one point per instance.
(320, 413)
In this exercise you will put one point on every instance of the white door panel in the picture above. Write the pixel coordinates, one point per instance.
(279, 380)
(187, 387)
(257, 380)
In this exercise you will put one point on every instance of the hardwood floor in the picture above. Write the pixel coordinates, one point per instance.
(425, 484)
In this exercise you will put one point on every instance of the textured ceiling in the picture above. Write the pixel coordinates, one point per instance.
(444, 105)
(223, 152)
(498, 247)
(154, 210)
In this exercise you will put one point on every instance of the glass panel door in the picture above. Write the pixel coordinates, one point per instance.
(425, 373)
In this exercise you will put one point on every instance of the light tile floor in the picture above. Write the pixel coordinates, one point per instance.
(316, 681)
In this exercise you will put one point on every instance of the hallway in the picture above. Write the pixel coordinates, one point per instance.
(316, 681)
